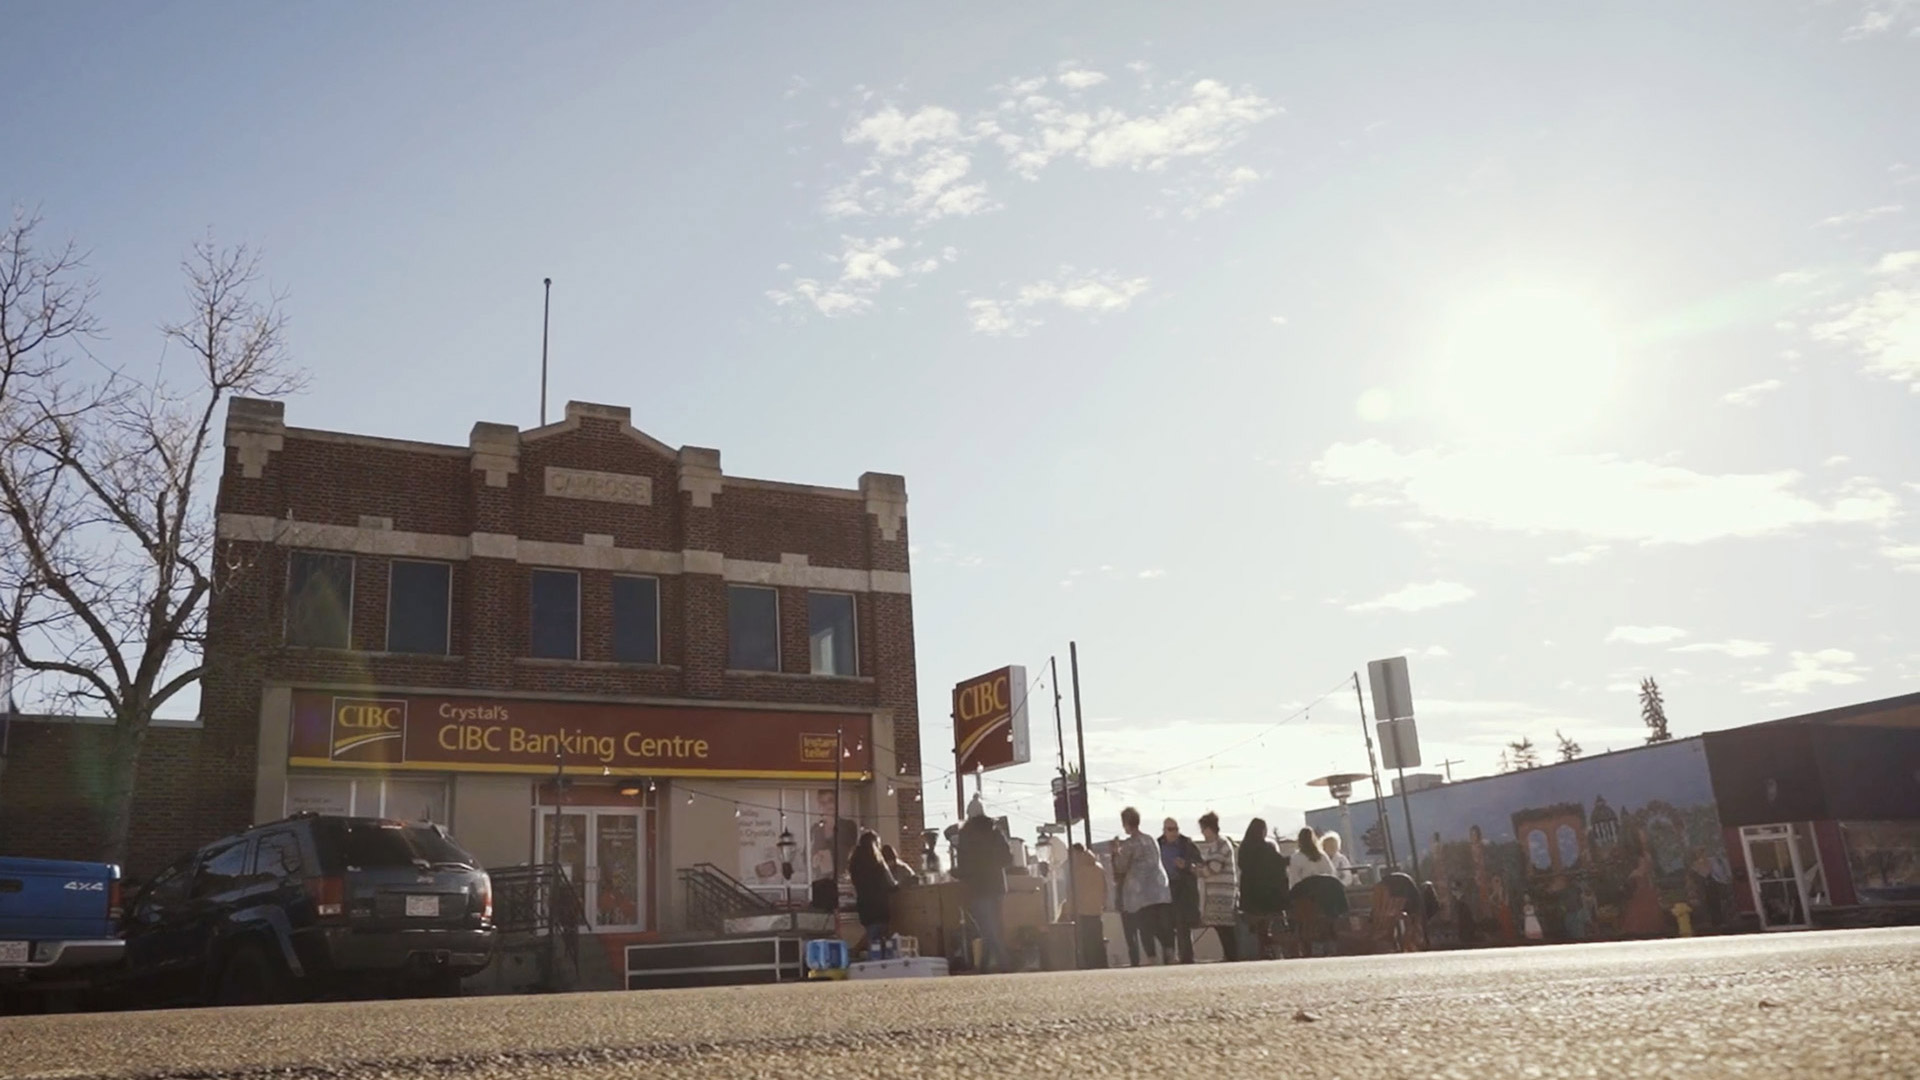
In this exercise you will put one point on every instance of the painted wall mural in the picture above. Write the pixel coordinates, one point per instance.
(1601, 848)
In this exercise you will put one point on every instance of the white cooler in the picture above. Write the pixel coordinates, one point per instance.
(905, 967)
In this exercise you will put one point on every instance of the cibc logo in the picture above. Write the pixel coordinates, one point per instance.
(368, 729)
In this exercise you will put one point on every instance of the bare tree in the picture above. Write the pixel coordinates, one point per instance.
(1569, 749)
(107, 545)
(1653, 711)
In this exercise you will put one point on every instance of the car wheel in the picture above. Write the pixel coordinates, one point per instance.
(251, 976)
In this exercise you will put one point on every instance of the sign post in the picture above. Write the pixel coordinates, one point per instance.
(1399, 739)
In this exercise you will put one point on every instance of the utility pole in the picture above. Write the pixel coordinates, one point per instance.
(1080, 734)
(1448, 766)
(1373, 767)
(1066, 789)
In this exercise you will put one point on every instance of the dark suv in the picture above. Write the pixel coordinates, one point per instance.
(311, 906)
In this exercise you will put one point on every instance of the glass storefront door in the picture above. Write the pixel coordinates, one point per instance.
(600, 850)
(1777, 858)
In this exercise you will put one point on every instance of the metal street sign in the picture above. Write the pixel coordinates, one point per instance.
(1392, 693)
(1399, 744)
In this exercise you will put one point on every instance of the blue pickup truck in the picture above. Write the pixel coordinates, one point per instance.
(59, 926)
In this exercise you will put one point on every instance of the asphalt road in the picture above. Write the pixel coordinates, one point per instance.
(1832, 1005)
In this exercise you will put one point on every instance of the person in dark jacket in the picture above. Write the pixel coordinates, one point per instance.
(1180, 855)
(873, 888)
(983, 858)
(1263, 887)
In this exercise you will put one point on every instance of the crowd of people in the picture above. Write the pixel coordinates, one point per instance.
(1171, 889)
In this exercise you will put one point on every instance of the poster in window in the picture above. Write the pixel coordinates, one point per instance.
(758, 826)
(319, 795)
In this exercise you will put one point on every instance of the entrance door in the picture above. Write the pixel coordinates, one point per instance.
(1779, 879)
(600, 852)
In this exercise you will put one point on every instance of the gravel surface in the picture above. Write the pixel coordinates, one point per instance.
(1834, 1005)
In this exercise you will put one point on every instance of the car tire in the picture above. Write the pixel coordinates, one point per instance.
(251, 976)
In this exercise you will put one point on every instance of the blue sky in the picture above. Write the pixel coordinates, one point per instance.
(1551, 345)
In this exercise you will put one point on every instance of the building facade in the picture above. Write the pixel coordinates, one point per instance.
(1812, 820)
(572, 643)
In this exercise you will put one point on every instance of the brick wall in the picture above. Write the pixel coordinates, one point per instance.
(196, 785)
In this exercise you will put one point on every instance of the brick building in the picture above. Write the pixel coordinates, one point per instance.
(441, 632)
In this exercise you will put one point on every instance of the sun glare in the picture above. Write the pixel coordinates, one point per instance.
(1526, 365)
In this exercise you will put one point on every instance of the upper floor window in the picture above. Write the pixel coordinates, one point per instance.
(320, 599)
(419, 595)
(753, 628)
(555, 605)
(830, 633)
(636, 620)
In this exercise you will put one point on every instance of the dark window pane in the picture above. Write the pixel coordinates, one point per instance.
(374, 845)
(636, 620)
(319, 599)
(277, 856)
(221, 871)
(417, 608)
(556, 614)
(830, 633)
(753, 629)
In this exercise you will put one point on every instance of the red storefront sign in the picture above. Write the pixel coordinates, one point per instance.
(489, 734)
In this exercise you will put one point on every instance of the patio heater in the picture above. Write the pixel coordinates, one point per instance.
(1340, 786)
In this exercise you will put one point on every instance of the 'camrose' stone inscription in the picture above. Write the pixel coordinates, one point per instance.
(599, 486)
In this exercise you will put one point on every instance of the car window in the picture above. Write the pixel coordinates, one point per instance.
(221, 870)
(373, 845)
(168, 885)
(276, 856)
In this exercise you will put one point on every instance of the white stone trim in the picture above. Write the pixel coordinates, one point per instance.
(703, 562)
(792, 570)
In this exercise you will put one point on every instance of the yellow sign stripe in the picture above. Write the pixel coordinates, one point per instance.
(571, 770)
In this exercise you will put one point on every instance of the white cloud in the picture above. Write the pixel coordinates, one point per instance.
(1579, 556)
(1227, 184)
(1645, 635)
(1836, 461)
(1420, 597)
(892, 133)
(1882, 326)
(1827, 667)
(1884, 16)
(1737, 648)
(1073, 290)
(1604, 497)
(1149, 575)
(1906, 557)
(1207, 118)
(916, 167)
(1080, 79)
(1083, 293)
(1278, 320)
(1751, 393)
(1860, 217)
(1211, 118)
(992, 318)
(864, 268)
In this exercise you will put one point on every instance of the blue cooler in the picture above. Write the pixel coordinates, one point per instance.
(827, 958)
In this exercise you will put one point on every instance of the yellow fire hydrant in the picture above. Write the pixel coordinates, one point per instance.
(1684, 914)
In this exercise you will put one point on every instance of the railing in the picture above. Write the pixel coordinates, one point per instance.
(538, 899)
(714, 896)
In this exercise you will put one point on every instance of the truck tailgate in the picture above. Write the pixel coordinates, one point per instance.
(48, 899)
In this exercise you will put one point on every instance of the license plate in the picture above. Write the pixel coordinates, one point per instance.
(422, 907)
(14, 952)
